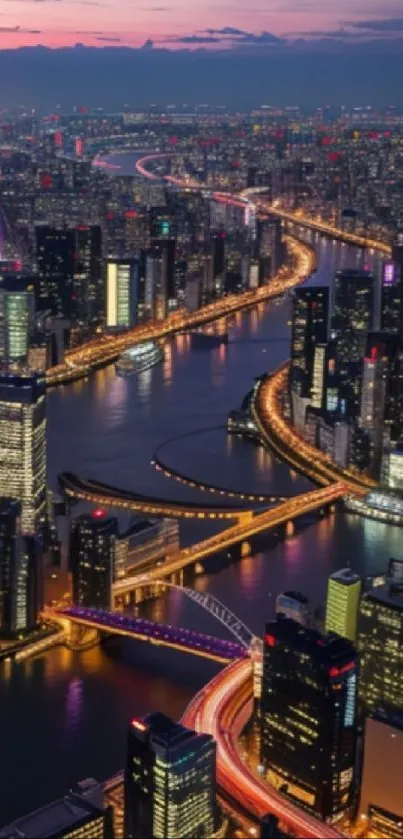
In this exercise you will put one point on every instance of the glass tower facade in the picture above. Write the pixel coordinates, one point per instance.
(169, 781)
(342, 602)
(121, 295)
(352, 314)
(23, 447)
(380, 644)
(309, 328)
(308, 717)
(92, 549)
(21, 582)
(17, 304)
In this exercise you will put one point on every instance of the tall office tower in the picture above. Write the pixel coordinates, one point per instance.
(82, 814)
(379, 403)
(162, 223)
(397, 251)
(137, 232)
(352, 314)
(309, 330)
(342, 603)
(21, 582)
(380, 645)
(169, 781)
(122, 279)
(381, 795)
(87, 282)
(392, 297)
(92, 549)
(56, 267)
(17, 306)
(217, 245)
(269, 828)
(23, 472)
(308, 717)
(163, 250)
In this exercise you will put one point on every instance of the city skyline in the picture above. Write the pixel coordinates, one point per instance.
(192, 25)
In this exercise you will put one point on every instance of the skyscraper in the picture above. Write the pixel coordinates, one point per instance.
(379, 406)
(309, 330)
(342, 602)
(92, 544)
(380, 645)
(21, 583)
(17, 305)
(352, 314)
(381, 797)
(308, 717)
(392, 297)
(169, 781)
(87, 282)
(81, 814)
(56, 267)
(122, 278)
(23, 467)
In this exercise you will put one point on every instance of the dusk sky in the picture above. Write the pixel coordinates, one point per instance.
(56, 23)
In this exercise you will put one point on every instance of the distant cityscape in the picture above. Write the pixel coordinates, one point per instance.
(120, 234)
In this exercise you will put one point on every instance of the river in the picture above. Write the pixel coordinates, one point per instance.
(63, 716)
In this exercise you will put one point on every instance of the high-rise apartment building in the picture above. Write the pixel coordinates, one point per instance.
(92, 547)
(81, 814)
(122, 277)
(17, 306)
(23, 466)
(309, 329)
(380, 645)
(352, 314)
(308, 709)
(21, 583)
(170, 788)
(342, 602)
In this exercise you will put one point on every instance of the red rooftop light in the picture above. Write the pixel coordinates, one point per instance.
(270, 640)
(98, 513)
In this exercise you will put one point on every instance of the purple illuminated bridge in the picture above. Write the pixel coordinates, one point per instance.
(186, 640)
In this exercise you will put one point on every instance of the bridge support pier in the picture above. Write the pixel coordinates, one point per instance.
(290, 528)
(80, 638)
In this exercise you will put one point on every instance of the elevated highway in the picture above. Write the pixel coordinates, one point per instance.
(281, 514)
(105, 495)
(278, 433)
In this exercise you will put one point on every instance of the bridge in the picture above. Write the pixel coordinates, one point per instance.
(277, 432)
(111, 623)
(280, 515)
(97, 492)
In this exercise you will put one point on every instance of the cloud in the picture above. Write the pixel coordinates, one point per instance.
(391, 24)
(18, 30)
(72, 2)
(108, 40)
(228, 35)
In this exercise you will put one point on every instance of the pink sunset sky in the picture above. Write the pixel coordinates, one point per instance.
(57, 23)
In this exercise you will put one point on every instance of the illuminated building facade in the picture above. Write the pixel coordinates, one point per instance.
(87, 282)
(121, 293)
(381, 797)
(342, 602)
(309, 329)
(145, 541)
(23, 467)
(308, 717)
(21, 583)
(92, 546)
(17, 305)
(352, 314)
(392, 297)
(81, 814)
(393, 469)
(56, 267)
(380, 645)
(169, 781)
